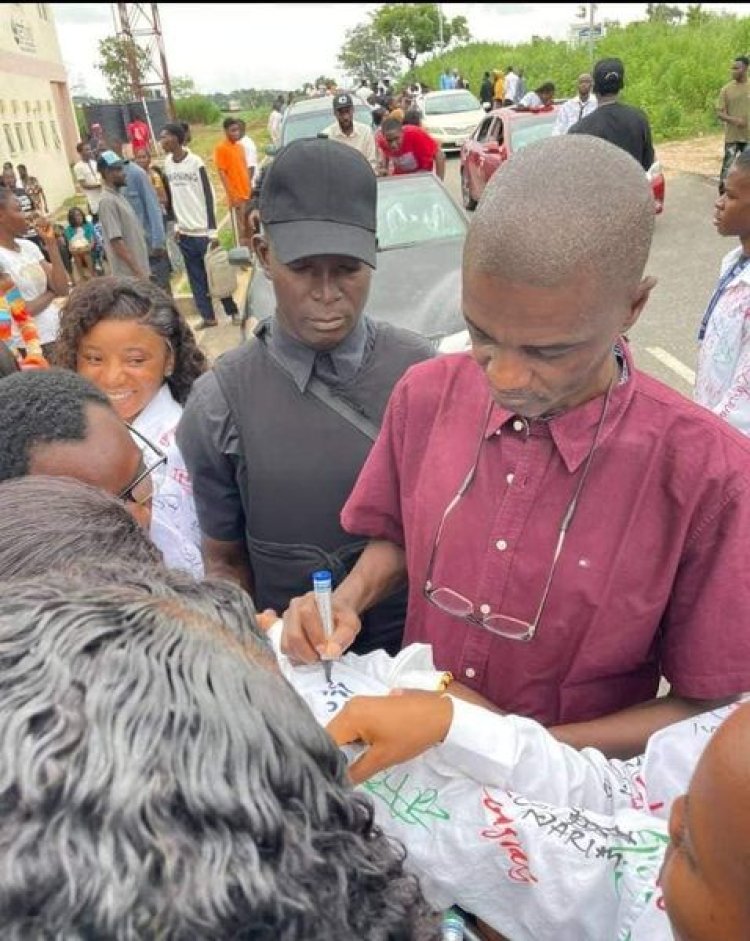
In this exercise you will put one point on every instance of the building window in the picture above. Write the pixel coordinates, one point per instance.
(27, 107)
(49, 107)
(43, 132)
(9, 139)
(14, 106)
(37, 107)
(42, 11)
(55, 135)
(19, 136)
(31, 135)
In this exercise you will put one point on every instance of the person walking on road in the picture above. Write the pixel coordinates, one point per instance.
(622, 125)
(733, 110)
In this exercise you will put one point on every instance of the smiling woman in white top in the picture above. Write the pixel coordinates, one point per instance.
(129, 339)
(39, 281)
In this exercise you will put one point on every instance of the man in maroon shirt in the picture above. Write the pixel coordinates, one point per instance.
(572, 529)
(405, 148)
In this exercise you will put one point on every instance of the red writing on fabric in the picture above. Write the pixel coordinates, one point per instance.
(502, 831)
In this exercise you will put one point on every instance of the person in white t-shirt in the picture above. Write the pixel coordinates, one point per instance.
(88, 179)
(353, 133)
(39, 281)
(251, 152)
(578, 108)
(274, 121)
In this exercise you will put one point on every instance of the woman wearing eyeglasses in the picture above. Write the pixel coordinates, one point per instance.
(129, 339)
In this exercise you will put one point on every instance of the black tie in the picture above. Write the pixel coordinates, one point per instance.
(325, 368)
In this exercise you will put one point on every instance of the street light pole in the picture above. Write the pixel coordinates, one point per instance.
(592, 11)
(440, 24)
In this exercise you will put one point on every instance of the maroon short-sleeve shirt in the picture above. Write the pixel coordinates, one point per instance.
(653, 576)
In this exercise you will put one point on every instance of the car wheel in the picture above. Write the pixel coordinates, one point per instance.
(468, 202)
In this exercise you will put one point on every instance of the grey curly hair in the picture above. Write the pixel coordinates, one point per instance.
(159, 781)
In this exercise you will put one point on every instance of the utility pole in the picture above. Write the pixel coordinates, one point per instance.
(140, 25)
(592, 12)
(582, 13)
(440, 25)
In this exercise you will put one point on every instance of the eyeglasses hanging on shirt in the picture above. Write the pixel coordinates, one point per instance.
(723, 284)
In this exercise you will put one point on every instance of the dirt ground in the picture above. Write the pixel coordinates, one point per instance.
(700, 155)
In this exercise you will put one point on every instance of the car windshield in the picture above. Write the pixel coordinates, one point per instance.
(450, 104)
(312, 123)
(416, 209)
(528, 131)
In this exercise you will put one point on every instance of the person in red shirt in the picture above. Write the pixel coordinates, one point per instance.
(572, 529)
(139, 135)
(408, 149)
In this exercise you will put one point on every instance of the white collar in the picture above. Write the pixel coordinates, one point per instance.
(160, 415)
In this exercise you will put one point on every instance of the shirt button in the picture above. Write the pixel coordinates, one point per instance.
(518, 425)
(510, 478)
(501, 544)
(485, 609)
(471, 673)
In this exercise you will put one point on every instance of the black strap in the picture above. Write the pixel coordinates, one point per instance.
(319, 390)
(324, 394)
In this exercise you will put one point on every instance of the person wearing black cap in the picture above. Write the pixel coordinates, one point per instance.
(623, 125)
(350, 132)
(275, 436)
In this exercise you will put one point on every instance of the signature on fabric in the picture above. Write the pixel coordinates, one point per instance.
(335, 694)
(407, 801)
(501, 829)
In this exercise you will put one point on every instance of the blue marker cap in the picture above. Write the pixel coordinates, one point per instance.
(322, 579)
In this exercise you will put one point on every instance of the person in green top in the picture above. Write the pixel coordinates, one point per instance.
(733, 109)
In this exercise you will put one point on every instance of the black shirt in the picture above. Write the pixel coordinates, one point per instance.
(622, 125)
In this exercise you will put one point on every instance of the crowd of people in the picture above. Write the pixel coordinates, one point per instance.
(524, 541)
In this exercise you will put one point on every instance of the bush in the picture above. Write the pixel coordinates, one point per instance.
(197, 109)
(673, 72)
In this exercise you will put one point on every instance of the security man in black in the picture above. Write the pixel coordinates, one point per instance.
(276, 434)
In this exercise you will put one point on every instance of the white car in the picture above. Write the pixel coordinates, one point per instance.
(451, 116)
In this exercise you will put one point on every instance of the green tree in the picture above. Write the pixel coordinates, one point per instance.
(366, 54)
(418, 28)
(183, 87)
(114, 56)
(664, 13)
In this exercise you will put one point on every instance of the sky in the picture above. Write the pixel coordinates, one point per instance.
(226, 46)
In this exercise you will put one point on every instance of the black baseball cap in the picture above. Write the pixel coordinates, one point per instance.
(609, 76)
(344, 100)
(319, 197)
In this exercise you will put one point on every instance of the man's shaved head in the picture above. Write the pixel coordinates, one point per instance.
(560, 208)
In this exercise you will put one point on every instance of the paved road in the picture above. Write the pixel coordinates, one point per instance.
(685, 259)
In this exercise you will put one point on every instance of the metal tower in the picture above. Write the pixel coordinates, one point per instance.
(140, 24)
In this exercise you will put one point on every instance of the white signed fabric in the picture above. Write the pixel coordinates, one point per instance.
(723, 376)
(542, 842)
(174, 523)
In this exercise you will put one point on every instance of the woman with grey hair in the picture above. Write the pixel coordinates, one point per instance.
(129, 339)
(162, 781)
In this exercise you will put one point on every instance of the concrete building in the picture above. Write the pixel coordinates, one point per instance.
(37, 122)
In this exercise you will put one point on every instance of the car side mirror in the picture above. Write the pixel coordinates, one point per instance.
(271, 150)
